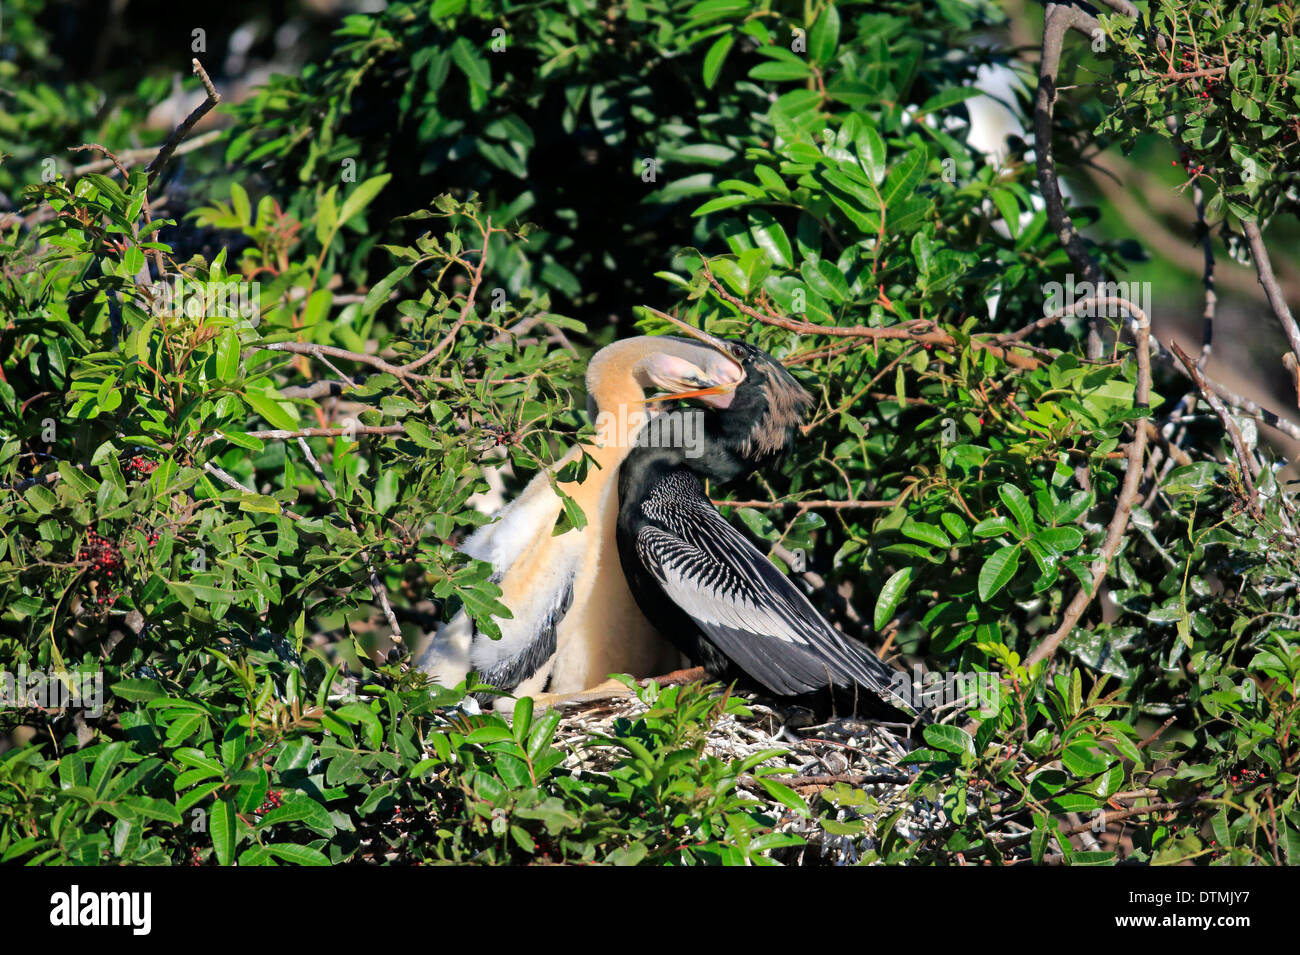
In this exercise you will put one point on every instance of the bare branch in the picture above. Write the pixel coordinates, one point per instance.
(1264, 269)
(813, 505)
(181, 131)
(129, 157)
(279, 434)
(1059, 19)
(1248, 465)
(225, 478)
(320, 351)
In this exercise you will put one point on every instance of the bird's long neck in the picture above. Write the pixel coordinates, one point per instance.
(616, 391)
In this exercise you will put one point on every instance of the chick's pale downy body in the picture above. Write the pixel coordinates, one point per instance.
(574, 620)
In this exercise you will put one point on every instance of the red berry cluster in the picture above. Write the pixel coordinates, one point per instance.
(1190, 164)
(141, 466)
(273, 799)
(105, 559)
(1245, 776)
(1189, 66)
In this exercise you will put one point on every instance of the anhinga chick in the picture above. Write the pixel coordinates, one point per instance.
(574, 620)
(704, 585)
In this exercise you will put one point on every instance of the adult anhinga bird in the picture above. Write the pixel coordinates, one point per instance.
(574, 620)
(703, 584)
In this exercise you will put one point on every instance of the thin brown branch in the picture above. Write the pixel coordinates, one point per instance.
(315, 350)
(377, 588)
(821, 782)
(324, 388)
(278, 434)
(1190, 74)
(465, 312)
(129, 157)
(1276, 300)
(225, 478)
(1249, 467)
(183, 130)
(1058, 20)
(1123, 505)
(921, 332)
(813, 505)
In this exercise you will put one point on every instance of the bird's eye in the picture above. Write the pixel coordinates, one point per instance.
(738, 351)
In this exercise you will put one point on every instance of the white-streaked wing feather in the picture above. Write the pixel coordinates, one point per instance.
(748, 608)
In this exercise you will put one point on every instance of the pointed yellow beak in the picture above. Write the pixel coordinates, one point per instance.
(700, 393)
(718, 345)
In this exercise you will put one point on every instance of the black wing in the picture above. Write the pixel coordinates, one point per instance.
(746, 607)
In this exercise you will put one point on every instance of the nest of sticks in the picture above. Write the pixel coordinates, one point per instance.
(839, 756)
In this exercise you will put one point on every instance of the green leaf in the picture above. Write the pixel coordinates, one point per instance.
(998, 570)
(780, 71)
(1079, 758)
(871, 154)
(716, 56)
(1018, 505)
(474, 67)
(903, 177)
(379, 292)
(300, 808)
(298, 855)
(364, 194)
(443, 9)
(228, 357)
(221, 826)
(771, 238)
(138, 690)
(950, 739)
(327, 216)
(890, 595)
(1062, 540)
(201, 761)
(824, 36)
(925, 533)
(151, 808)
(270, 410)
(1006, 202)
(993, 527)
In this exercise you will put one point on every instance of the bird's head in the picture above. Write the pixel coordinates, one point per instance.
(761, 410)
(678, 368)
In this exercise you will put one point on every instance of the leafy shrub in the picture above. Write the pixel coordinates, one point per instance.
(219, 507)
